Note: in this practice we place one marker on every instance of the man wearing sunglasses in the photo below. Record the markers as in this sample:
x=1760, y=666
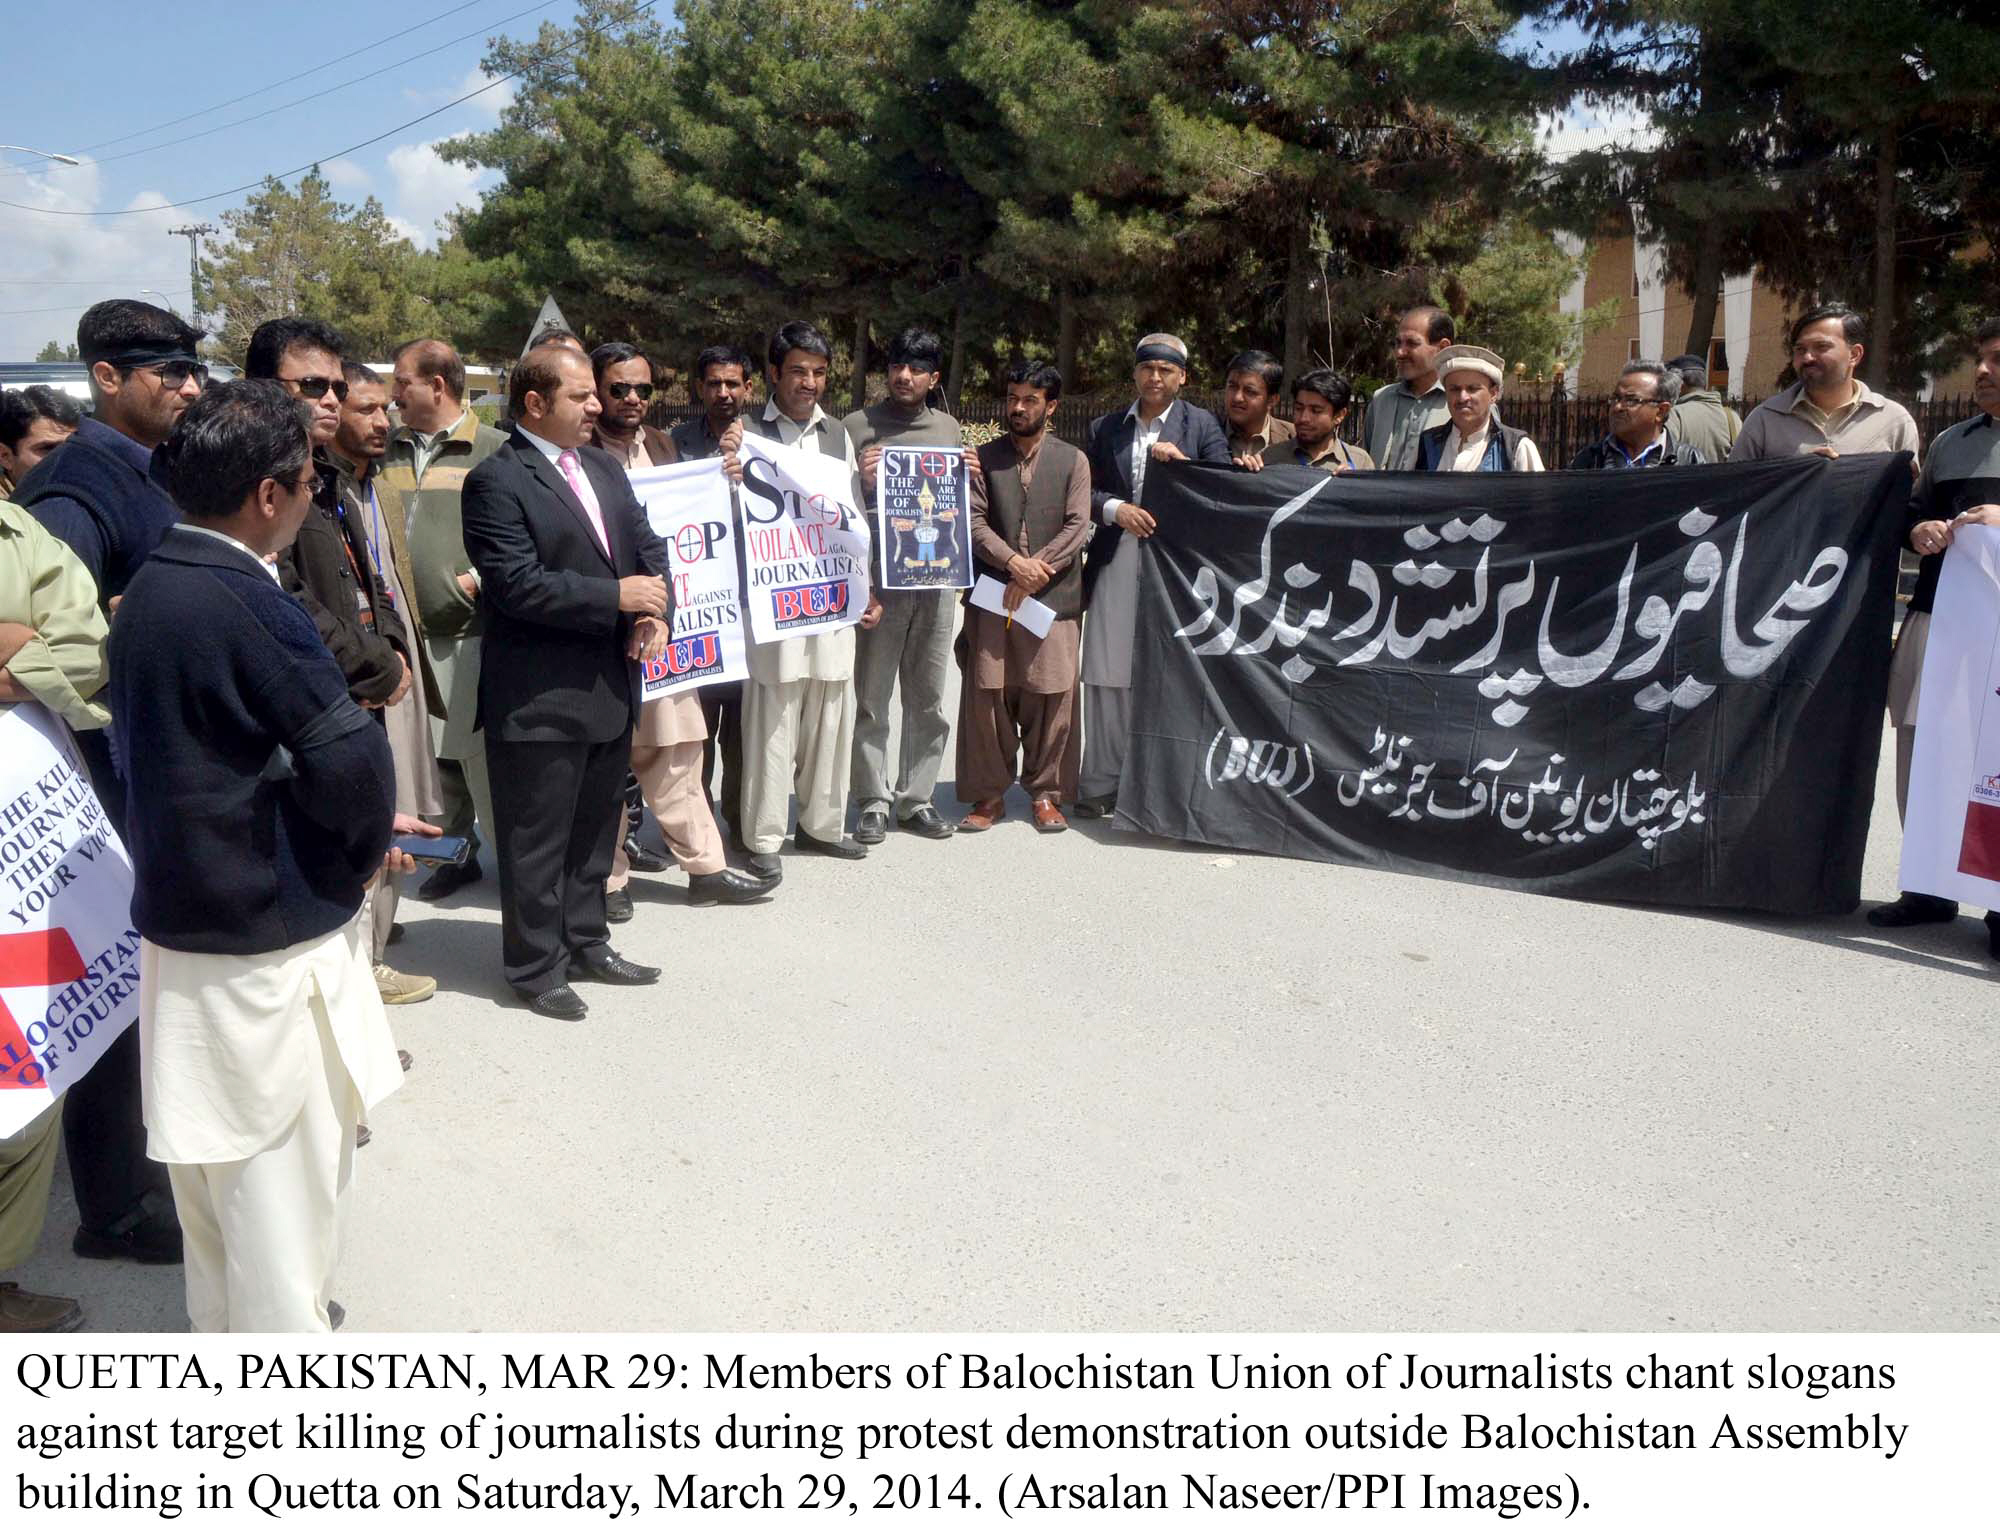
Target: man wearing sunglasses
x=98, y=493
x=328, y=567
x=625, y=391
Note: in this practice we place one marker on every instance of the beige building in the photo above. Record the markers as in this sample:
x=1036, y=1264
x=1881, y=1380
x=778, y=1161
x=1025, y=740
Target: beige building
x=1749, y=349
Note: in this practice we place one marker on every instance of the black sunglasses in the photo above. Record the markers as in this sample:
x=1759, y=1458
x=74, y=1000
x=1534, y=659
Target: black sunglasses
x=313, y=387
x=176, y=373
x=621, y=390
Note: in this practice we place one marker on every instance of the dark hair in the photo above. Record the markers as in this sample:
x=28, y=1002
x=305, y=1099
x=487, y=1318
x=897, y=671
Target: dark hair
x=1692, y=368
x=19, y=410
x=232, y=436
x=359, y=374
x=719, y=355
x=270, y=343
x=917, y=348
x=539, y=370
x=437, y=360
x=797, y=336
x=1852, y=327
x=605, y=354
x=1989, y=331
x=1438, y=324
x=1044, y=376
x=1330, y=383
x=113, y=326
x=1666, y=381
x=1256, y=361
x=555, y=336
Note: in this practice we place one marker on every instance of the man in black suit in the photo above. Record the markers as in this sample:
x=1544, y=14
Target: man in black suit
x=1158, y=425
x=574, y=584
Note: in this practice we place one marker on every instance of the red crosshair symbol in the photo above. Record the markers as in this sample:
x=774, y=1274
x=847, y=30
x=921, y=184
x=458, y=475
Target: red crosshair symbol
x=33, y=957
x=931, y=465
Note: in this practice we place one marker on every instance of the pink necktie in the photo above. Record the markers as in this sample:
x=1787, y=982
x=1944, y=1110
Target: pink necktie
x=572, y=469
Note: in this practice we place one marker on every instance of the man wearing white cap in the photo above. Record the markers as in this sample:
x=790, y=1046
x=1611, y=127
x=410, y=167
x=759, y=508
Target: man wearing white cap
x=1156, y=426
x=1475, y=439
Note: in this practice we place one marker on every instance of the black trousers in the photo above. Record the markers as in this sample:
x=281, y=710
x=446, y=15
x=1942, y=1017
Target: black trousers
x=722, y=711
x=560, y=816
x=104, y=1130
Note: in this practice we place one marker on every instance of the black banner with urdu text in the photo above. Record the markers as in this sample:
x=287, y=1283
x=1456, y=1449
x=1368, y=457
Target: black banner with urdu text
x=1663, y=686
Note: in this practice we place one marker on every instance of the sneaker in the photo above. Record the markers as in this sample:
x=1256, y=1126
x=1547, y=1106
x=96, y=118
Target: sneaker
x=403, y=988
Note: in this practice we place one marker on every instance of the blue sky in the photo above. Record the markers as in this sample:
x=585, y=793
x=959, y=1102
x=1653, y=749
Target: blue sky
x=102, y=88
x=108, y=87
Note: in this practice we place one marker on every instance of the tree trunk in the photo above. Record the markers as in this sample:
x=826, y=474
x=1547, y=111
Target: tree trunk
x=954, y=374
x=1298, y=277
x=1066, y=336
x=860, y=359
x=1706, y=289
x=1880, y=358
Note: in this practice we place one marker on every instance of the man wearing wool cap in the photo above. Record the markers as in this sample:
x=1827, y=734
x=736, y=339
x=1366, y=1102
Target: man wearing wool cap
x=1156, y=426
x=1474, y=439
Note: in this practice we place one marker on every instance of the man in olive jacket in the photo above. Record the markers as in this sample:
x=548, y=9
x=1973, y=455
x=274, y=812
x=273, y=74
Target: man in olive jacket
x=430, y=455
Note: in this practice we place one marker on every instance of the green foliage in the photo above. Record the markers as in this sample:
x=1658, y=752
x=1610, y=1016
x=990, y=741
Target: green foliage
x=300, y=252
x=1509, y=298
x=57, y=353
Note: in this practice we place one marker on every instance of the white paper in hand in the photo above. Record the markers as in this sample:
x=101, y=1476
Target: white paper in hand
x=990, y=594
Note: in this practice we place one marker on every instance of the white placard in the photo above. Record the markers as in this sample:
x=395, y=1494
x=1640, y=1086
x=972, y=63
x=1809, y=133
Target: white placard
x=805, y=541
x=688, y=507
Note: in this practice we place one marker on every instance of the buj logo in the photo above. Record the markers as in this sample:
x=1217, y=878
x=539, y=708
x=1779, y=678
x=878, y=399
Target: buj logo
x=808, y=602
x=688, y=657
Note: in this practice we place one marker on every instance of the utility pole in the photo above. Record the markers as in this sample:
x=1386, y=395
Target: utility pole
x=194, y=233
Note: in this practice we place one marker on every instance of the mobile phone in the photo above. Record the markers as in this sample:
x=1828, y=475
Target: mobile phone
x=450, y=850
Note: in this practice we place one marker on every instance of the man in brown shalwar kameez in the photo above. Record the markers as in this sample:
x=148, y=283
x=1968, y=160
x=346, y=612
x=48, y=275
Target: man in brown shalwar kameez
x=1030, y=521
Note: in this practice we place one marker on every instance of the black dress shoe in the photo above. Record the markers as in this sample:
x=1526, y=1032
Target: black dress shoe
x=618, y=907
x=1095, y=807
x=729, y=887
x=150, y=1233
x=609, y=968
x=447, y=880
x=872, y=827
x=336, y=1314
x=843, y=848
x=362, y=1134
x=1913, y=909
x=561, y=1002
x=642, y=859
x=928, y=822
x=1993, y=934
x=765, y=866
x=395, y=934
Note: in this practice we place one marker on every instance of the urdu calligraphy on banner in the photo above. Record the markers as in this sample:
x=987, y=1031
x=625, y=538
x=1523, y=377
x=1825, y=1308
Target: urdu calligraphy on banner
x=1661, y=686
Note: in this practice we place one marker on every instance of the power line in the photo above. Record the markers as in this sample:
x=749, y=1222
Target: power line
x=271, y=112
x=69, y=309
x=140, y=133
x=230, y=192
x=82, y=283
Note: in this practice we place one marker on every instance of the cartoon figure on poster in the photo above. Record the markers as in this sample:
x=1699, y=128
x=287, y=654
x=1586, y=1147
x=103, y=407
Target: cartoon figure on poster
x=924, y=505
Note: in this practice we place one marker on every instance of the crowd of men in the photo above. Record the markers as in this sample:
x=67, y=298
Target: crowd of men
x=346, y=616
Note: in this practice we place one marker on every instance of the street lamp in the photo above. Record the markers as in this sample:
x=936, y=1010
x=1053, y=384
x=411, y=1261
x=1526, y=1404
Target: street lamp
x=65, y=160
x=165, y=303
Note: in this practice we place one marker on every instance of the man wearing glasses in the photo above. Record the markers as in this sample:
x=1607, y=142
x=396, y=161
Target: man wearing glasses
x=625, y=391
x=328, y=568
x=98, y=494
x=1639, y=438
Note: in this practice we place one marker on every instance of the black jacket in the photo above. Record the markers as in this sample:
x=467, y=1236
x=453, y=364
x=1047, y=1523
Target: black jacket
x=1605, y=455
x=317, y=570
x=552, y=664
x=1108, y=446
x=259, y=796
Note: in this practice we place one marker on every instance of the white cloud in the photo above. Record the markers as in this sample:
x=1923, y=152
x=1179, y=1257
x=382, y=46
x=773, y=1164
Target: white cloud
x=1610, y=126
x=67, y=264
x=427, y=188
x=488, y=105
x=346, y=176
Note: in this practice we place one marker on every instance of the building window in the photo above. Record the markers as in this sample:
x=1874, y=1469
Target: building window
x=1718, y=359
x=1631, y=350
x=1635, y=281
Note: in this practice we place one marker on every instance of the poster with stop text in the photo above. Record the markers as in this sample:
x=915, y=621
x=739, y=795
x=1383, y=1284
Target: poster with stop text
x=689, y=507
x=69, y=957
x=805, y=541
x=924, y=517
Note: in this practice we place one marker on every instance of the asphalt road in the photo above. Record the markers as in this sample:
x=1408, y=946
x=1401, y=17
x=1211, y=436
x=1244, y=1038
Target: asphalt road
x=1098, y=1082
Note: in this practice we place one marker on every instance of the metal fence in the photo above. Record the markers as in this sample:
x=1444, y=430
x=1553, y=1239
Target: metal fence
x=1559, y=425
